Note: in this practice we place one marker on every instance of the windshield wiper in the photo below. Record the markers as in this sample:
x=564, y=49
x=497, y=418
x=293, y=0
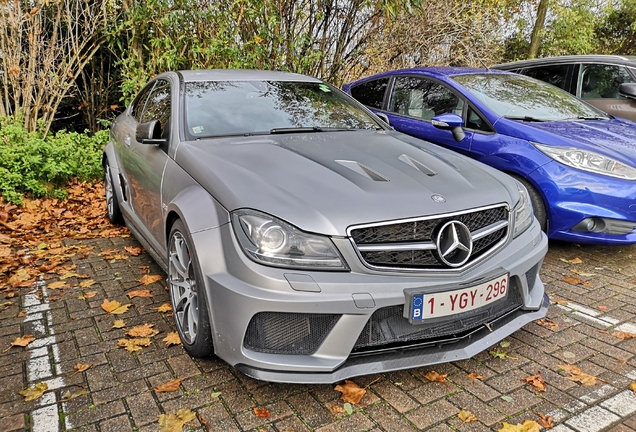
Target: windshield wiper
x=295, y=130
x=524, y=118
x=592, y=118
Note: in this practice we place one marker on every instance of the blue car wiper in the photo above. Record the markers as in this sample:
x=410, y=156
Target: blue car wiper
x=524, y=118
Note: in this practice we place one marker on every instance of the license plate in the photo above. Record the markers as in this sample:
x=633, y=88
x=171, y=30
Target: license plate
x=434, y=305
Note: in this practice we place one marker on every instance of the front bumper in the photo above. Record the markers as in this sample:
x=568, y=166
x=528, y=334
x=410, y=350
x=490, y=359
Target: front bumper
x=237, y=289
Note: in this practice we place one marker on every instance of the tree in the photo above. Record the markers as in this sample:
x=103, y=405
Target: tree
x=537, y=31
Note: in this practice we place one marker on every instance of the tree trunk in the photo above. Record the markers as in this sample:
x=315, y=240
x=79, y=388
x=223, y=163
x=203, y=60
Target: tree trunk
x=538, y=29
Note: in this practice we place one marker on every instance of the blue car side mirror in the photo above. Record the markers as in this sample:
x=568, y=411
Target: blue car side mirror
x=451, y=122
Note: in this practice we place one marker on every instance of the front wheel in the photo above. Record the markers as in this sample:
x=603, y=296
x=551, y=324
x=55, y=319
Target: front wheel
x=112, y=203
x=187, y=293
x=537, y=203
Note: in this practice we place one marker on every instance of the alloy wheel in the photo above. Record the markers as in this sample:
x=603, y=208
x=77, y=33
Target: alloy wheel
x=183, y=289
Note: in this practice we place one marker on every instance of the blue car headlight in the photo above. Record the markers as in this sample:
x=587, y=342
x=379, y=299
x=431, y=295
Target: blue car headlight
x=271, y=241
x=588, y=161
x=522, y=211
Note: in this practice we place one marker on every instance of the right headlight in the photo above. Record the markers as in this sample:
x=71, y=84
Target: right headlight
x=522, y=211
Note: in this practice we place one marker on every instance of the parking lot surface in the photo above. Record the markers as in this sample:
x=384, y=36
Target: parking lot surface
x=594, y=299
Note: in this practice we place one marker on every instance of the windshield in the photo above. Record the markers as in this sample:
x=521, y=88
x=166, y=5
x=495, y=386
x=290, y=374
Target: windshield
x=220, y=108
x=524, y=98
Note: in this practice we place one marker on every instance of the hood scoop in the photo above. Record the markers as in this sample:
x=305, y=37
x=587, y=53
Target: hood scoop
x=417, y=165
x=363, y=170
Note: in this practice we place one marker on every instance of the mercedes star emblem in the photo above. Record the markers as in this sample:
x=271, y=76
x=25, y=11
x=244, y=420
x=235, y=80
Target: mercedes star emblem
x=454, y=244
x=438, y=198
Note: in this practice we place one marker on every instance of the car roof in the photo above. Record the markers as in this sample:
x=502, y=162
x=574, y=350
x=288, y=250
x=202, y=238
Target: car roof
x=243, y=75
x=588, y=58
x=435, y=71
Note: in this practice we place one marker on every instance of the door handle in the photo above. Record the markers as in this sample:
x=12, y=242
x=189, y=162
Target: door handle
x=127, y=141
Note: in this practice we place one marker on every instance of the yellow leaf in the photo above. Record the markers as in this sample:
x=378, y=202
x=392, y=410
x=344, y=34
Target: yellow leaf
x=90, y=294
x=527, y=426
x=68, y=275
x=134, y=251
x=175, y=422
x=434, y=376
x=81, y=367
x=34, y=393
x=473, y=376
x=21, y=341
x=149, y=279
x=577, y=375
x=164, y=308
x=114, y=307
x=351, y=392
x=632, y=387
x=172, y=339
x=58, y=285
x=133, y=345
x=144, y=330
x=117, y=324
x=87, y=283
x=466, y=416
x=624, y=335
x=139, y=293
x=170, y=386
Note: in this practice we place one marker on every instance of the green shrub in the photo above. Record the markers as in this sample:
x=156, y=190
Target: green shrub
x=42, y=166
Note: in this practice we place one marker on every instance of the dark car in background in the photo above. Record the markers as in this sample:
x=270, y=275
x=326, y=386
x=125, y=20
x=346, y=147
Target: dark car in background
x=605, y=81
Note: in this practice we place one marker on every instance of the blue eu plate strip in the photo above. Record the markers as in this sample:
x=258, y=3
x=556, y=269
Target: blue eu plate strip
x=417, y=307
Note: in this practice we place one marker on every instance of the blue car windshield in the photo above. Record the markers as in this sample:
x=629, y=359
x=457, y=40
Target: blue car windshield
x=524, y=98
x=223, y=108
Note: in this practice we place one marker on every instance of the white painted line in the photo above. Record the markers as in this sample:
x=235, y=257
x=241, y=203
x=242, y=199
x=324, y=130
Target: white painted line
x=631, y=375
x=594, y=419
x=577, y=307
x=592, y=319
x=627, y=327
x=561, y=428
x=598, y=394
x=623, y=404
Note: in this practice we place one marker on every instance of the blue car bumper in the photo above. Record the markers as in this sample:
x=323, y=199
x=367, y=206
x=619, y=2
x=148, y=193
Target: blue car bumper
x=574, y=197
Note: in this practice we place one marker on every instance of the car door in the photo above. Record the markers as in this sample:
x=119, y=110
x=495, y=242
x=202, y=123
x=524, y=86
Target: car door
x=147, y=162
x=415, y=100
x=598, y=85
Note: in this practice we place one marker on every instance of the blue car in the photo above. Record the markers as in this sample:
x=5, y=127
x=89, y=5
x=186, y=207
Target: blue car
x=577, y=162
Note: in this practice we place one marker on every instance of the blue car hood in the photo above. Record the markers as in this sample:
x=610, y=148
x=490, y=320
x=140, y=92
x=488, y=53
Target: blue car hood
x=614, y=138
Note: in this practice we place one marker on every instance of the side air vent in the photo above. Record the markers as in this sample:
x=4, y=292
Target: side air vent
x=417, y=165
x=362, y=170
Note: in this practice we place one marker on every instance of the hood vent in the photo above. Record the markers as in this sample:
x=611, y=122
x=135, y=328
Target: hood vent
x=363, y=170
x=417, y=165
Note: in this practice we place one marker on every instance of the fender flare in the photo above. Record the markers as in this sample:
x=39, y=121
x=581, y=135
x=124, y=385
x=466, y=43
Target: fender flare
x=197, y=209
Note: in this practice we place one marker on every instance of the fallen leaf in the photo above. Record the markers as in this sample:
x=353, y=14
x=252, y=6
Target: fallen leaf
x=434, y=376
x=473, y=376
x=545, y=421
x=175, y=422
x=576, y=260
x=114, y=307
x=170, y=386
x=117, y=324
x=507, y=398
x=351, y=392
x=262, y=412
x=569, y=355
x=90, y=294
x=87, y=283
x=21, y=314
x=139, y=293
x=575, y=281
x=580, y=273
x=68, y=275
x=67, y=395
x=624, y=335
x=577, y=375
x=499, y=354
x=216, y=394
x=347, y=408
x=337, y=409
x=172, y=339
x=81, y=367
x=144, y=330
x=58, y=285
x=603, y=308
x=34, y=393
x=133, y=345
x=548, y=323
x=134, y=251
x=204, y=422
x=504, y=344
x=164, y=308
x=466, y=416
x=21, y=341
x=536, y=381
x=149, y=279
x=558, y=300
x=632, y=387
x=527, y=426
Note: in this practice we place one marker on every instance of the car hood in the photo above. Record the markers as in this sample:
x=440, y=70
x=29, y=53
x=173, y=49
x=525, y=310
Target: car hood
x=325, y=182
x=614, y=138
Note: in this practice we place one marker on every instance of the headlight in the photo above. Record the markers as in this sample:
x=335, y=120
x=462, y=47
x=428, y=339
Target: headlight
x=588, y=161
x=522, y=211
x=268, y=240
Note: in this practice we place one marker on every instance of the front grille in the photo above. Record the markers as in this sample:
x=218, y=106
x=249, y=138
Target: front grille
x=288, y=333
x=425, y=231
x=388, y=327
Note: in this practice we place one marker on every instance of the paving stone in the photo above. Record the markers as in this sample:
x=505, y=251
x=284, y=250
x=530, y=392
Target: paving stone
x=483, y=412
x=96, y=414
x=117, y=424
x=522, y=399
x=428, y=415
x=216, y=418
x=395, y=396
x=476, y=387
x=389, y=419
x=12, y=423
x=310, y=410
x=433, y=390
x=143, y=408
x=278, y=410
x=594, y=419
x=356, y=422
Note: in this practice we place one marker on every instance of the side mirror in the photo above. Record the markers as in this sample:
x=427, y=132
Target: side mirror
x=451, y=122
x=627, y=90
x=384, y=118
x=149, y=133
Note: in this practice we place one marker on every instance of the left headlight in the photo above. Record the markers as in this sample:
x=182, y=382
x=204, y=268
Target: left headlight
x=522, y=211
x=588, y=161
x=271, y=241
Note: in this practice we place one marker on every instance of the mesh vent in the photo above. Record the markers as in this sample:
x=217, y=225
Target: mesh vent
x=387, y=326
x=288, y=333
x=531, y=276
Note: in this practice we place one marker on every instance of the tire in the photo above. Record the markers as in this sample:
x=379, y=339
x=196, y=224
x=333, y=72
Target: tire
x=187, y=293
x=112, y=202
x=537, y=203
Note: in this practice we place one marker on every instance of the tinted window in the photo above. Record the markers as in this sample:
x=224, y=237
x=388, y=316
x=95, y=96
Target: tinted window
x=557, y=75
x=519, y=96
x=421, y=98
x=158, y=107
x=371, y=93
x=476, y=122
x=602, y=81
x=216, y=108
x=138, y=104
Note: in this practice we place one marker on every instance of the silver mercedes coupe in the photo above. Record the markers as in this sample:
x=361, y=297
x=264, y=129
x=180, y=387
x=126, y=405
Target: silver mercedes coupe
x=305, y=241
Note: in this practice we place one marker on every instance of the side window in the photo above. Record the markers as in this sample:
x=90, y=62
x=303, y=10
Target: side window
x=371, y=93
x=424, y=99
x=557, y=75
x=138, y=104
x=158, y=107
x=476, y=122
x=602, y=81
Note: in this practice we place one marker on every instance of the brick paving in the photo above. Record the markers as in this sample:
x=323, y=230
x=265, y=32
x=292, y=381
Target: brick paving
x=116, y=394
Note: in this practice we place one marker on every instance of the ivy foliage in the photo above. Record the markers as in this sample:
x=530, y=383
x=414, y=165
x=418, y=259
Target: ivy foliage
x=41, y=166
